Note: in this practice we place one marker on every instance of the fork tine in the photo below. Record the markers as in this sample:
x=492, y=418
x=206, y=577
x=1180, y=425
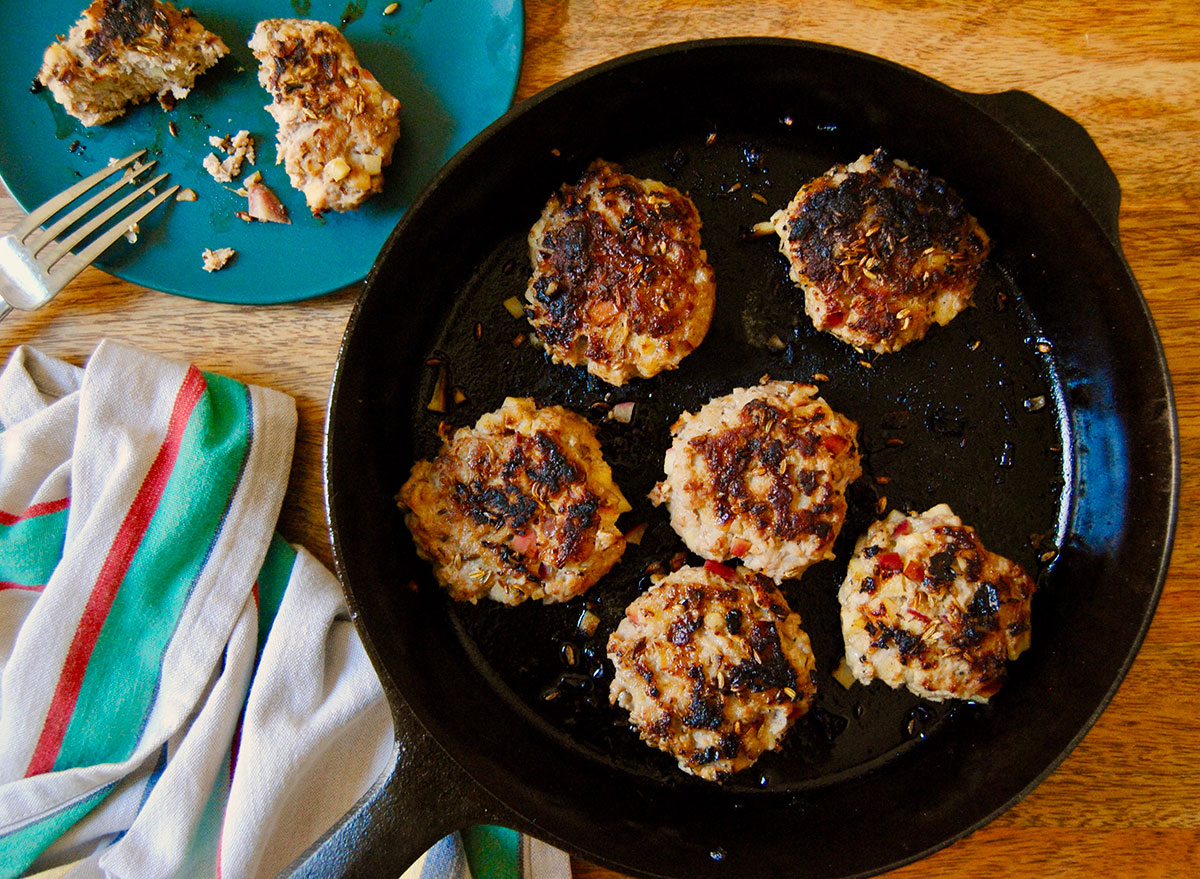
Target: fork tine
x=63, y=247
x=77, y=262
x=47, y=235
x=52, y=206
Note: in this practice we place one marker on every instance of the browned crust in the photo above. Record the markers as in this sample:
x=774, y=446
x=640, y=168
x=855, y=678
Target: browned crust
x=521, y=506
x=601, y=277
x=125, y=22
x=759, y=444
x=874, y=246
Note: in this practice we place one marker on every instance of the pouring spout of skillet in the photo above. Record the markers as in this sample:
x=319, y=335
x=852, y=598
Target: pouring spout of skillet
x=1043, y=415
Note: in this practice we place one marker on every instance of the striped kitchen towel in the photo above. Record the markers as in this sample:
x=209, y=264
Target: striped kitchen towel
x=491, y=853
x=175, y=679
x=182, y=693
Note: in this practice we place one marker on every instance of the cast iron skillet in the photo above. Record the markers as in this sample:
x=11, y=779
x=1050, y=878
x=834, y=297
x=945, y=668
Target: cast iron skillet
x=1043, y=416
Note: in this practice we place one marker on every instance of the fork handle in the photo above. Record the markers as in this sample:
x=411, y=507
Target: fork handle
x=5, y=308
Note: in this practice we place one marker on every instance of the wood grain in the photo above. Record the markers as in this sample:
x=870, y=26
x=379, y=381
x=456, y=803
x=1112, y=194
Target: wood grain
x=1126, y=802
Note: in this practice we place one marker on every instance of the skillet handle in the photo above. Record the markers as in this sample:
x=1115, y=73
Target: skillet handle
x=422, y=797
x=1066, y=146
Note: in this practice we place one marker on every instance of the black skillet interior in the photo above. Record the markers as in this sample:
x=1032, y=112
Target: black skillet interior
x=1043, y=416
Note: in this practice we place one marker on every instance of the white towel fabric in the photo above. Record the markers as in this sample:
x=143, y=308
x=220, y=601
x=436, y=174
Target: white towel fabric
x=176, y=682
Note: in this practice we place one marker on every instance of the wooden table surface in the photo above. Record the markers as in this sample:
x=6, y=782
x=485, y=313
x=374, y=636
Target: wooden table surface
x=1127, y=800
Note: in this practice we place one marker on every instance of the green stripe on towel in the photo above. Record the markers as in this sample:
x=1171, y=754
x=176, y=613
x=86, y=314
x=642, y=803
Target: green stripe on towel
x=30, y=549
x=21, y=848
x=492, y=852
x=272, y=581
x=123, y=674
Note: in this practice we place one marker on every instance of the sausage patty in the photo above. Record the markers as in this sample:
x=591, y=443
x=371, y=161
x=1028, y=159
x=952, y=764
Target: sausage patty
x=713, y=668
x=124, y=52
x=924, y=605
x=337, y=124
x=620, y=282
x=882, y=251
x=760, y=474
x=522, y=506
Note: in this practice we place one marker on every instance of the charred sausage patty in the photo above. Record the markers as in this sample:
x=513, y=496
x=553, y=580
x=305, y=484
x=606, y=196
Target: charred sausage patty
x=882, y=251
x=521, y=506
x=620, y=282
x=713, y=668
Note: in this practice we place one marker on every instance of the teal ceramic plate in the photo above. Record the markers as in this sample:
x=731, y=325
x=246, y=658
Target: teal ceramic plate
x=452, y=63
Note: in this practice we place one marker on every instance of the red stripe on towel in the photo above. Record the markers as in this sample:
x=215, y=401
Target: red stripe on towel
x=112, y=572
x=8, y=584
x=42, y=509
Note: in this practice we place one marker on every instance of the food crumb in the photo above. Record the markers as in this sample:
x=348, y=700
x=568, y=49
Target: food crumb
x=390, y=8
x=186, y=195
x=222, y=171
x=264, y=204
x=238, y=149
x=215, y=260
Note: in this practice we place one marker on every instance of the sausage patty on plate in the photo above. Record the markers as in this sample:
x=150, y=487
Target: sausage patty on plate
x=337, y=124
x=124, y=52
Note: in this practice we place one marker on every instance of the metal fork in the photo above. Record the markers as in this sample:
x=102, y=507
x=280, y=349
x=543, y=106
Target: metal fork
x=34, y=265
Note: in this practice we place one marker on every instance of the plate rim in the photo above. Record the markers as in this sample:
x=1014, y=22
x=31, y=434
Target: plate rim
x=125, y=264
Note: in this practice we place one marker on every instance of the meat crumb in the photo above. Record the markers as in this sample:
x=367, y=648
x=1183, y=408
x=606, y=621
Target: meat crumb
x=239, y=149
x=215, y=260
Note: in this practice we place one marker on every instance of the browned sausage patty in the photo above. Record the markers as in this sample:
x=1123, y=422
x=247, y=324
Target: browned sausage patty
x=713, y=668
x=124, y=52
x=337, y=124
x=924, y=605
x=882, y=251
x=760, y=474
x=620, y=282
x=522, y=506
